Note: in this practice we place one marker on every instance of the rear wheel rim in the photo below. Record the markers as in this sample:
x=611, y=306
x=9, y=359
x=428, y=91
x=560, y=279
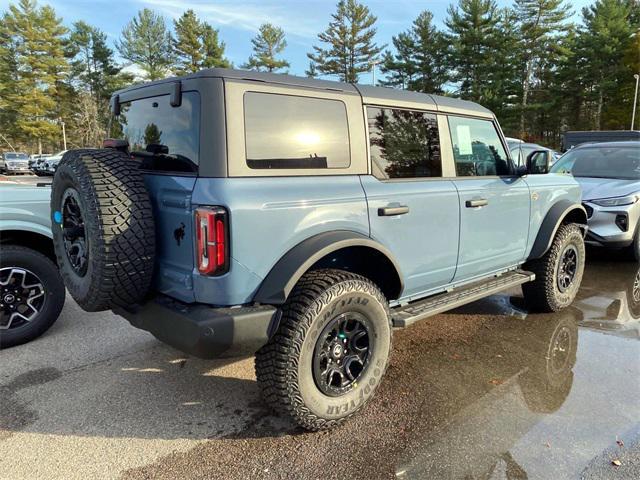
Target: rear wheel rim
x=73, y=232
x=567, y=268
x=342, y=353
x=22, y=297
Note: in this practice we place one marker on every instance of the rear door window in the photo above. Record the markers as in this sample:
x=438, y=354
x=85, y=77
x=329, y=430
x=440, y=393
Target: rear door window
x=166, y=138
x=403, y=143
x=294, y=132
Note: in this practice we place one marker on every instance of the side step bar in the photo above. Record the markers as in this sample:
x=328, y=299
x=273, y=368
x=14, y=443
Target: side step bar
x=420, y=309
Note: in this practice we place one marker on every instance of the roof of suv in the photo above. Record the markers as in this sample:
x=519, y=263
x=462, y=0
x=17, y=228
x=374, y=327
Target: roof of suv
x=371, y=95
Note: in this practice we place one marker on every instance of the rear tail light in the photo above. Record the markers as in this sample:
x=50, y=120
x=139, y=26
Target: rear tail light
x=212, y=238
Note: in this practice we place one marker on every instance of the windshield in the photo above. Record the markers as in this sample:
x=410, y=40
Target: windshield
x=601, y=162
x=16, y=156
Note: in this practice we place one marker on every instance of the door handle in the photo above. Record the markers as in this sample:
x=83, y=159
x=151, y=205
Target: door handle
x=391, y=211
x=481, y=202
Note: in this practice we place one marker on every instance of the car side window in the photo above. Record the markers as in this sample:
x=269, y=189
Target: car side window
x=287, y=131
x=477, y=149
x=403, y=143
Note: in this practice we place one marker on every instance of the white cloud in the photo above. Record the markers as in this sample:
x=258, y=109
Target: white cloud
x=247, y=17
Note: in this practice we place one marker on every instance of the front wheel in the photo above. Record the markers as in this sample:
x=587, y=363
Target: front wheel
x=330, y=351
x=31, y=295
x=558, y=273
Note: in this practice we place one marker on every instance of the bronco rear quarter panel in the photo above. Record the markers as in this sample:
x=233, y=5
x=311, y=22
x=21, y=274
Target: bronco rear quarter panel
x=270, y=216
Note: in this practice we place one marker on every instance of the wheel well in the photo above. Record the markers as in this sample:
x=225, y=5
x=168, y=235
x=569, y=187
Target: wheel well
x=575, y=216
x=36, y=241
x=369, y=263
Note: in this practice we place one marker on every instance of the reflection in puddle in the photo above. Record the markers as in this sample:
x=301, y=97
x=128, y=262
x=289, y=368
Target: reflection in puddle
x=534, y=378
x=609, y=299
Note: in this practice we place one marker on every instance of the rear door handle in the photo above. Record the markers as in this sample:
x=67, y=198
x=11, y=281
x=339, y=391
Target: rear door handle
x=391, y=211
x=481, y=202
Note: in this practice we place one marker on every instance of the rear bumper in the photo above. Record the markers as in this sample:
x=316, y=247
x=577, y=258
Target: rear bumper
x=204, y=331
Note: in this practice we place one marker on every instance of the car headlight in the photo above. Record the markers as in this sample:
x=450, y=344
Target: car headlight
x=616, y=201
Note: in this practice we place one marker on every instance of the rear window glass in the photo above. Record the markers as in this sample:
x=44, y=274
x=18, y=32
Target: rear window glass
x=166, y=138
x=285, y=131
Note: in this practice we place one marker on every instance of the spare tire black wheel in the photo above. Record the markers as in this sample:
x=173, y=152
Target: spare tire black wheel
x=103, y=228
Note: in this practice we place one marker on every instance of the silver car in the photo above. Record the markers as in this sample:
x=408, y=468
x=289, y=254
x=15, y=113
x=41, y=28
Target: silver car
x=609, y=174
x=15, y=162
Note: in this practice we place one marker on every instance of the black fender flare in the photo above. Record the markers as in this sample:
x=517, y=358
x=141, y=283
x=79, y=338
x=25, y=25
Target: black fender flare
x=279, y=282
x=552, y=221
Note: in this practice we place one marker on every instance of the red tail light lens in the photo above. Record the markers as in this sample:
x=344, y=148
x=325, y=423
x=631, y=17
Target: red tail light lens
x=212, y=238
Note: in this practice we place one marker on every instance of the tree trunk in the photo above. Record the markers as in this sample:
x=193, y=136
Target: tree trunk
x=599, y=110
x=525, y=97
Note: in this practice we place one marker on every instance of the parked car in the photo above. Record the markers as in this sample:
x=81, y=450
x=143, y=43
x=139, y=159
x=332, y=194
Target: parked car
x=298, y=229
x=573, y=139
x=609, y=174
x=36, y=162
x=31, y=290
x=15, y=162
x=520, y=152
x=51, y=163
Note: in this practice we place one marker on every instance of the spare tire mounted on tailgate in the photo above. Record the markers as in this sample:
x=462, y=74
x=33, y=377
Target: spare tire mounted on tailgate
x=103, y=229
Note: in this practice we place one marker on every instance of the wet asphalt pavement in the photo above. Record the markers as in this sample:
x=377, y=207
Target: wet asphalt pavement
x=485, y=392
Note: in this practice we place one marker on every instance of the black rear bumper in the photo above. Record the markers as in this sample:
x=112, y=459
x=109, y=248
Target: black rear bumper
x=204, y=331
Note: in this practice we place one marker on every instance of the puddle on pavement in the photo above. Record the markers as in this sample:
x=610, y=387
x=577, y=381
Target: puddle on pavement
x=566, y=388
x=487, y=391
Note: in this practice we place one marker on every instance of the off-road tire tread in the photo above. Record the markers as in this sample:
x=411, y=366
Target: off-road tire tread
x=276, y=363
x=540, y=294
x=121, y=226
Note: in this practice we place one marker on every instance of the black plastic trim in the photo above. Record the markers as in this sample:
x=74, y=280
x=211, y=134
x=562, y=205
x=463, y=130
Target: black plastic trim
x=204, y=331
x=550, y=225
x=277, y=285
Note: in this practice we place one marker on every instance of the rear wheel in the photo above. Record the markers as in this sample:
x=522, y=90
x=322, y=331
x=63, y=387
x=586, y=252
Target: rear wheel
x=558, y=273
x=330, y=351
x=31, y=295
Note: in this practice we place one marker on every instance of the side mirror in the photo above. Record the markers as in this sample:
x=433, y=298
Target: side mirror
x=539, y=162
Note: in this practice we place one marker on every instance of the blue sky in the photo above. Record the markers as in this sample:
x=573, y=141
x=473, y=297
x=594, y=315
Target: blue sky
x=239, y=20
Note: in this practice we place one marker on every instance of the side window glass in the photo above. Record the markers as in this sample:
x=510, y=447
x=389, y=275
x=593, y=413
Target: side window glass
x=477, y=149
x=404, y=143
x=286, y=131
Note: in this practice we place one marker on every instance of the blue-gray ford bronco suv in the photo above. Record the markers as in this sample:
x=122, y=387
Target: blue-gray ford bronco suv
x=236, y=212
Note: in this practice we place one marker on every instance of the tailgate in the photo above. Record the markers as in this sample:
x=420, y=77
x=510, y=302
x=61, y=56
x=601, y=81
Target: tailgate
x=175, y=247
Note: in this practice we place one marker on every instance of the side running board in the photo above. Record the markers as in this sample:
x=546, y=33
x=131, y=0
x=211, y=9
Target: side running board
x=420, y=309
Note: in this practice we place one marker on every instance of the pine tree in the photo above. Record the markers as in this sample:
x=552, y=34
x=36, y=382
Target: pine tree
x=420, y=60
x=603, y=40
x=146, y=42
x=473, y=30
x=350, y=42
x=213, y=49
x=196, y=45
x=36, y=45
x=312, y=71
x=267, y=45
x=539, y=22
x=94, y=76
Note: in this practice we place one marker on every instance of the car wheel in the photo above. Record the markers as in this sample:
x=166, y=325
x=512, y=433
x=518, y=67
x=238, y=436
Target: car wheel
x=103, y=230
x=549, y=377
x=330, y=351
x=558, y=273
x=32, y=295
